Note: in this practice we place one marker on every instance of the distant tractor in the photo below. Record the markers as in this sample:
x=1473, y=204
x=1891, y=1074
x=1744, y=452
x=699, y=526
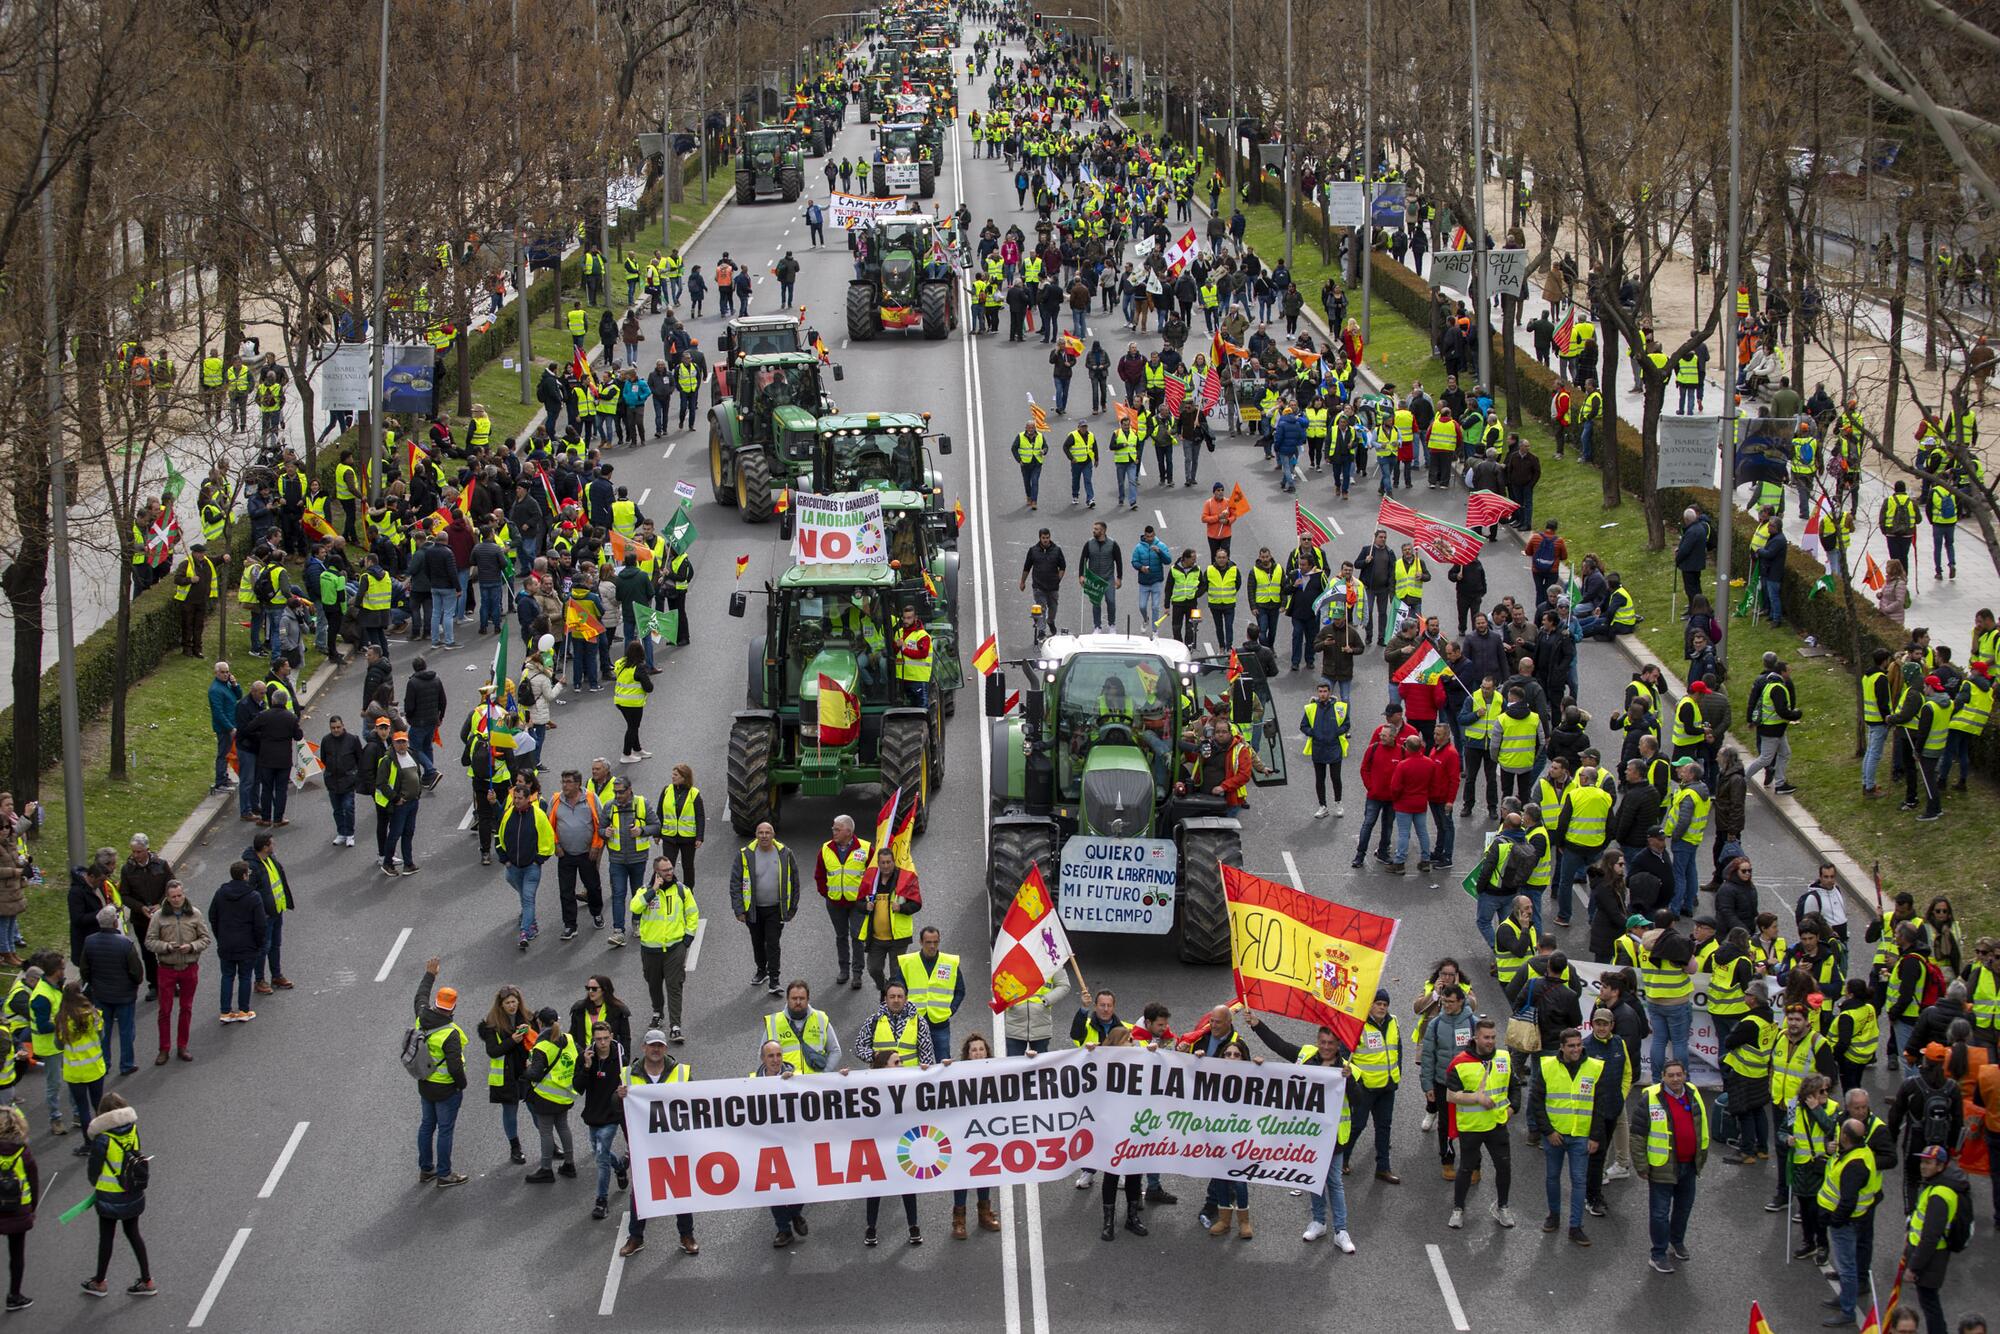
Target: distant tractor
x=751, y=336
x=771, y=163
x=907, y=279
x=904, y=144
x=1112, y=742
x=836, y=622
x=765, y=436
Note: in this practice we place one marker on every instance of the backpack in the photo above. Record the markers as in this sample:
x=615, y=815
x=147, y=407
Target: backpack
x=416, y=1055
x=13, y=1186
x=1933, y=983
x=1959, y=1235
x=1545, y=556
x=135, y=1173
x=1938, y=1105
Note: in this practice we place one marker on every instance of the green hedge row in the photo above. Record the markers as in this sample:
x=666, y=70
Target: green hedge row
x=155, y=616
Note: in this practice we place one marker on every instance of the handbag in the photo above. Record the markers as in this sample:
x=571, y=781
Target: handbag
x=1524, y=1034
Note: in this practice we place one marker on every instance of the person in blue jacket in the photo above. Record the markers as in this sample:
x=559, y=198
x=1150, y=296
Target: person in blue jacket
x=1149, y=561
x=1324, y=726
x=1288, y=437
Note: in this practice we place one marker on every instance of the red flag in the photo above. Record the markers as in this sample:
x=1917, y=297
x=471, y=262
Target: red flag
x=1434, y=537
x=1211, y=390
x=1485, y=508
x=1235, y=667
x=1396, y=516
x=1563, y=332
x=1176, y=393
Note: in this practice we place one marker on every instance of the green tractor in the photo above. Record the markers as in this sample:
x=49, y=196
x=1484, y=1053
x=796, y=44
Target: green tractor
x=887, y=451
x=771, y=163
x=877, y=94
x=1097, y=778
x=907, y=279
x=835, y=622
x=765, y=435
x=902, y=145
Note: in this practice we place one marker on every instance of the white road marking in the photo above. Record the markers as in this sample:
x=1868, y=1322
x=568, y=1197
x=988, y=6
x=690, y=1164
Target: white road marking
x=670, y=450
x=614, y=1275
x=694, y=948
x=1010, y=1264
x=1335, y=525
x=644, y=494
x=291, y=1147
x=1208, y=647
x=1159, y=520
x=1292, y=870
x=1038, y=1281
x=395, y=951
x=214, y=1289
x=1451, y=1306
x=465, y=821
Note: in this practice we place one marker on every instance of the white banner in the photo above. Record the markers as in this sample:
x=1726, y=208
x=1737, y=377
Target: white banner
x=1704, y=1045
x=1344, y=204
x=1118, y=884
x=902, y=177
x=1690, y=451
x=1506, y=271
x=911, y=104
x=845, y=210
x=838, y=530
x=750, y=1143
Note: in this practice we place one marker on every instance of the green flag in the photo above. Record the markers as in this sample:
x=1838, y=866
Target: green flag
x=76, y=1210
x=680, y=530
x=669, y=622
x=175, y=482
x=645, y=620
x=1094, y=585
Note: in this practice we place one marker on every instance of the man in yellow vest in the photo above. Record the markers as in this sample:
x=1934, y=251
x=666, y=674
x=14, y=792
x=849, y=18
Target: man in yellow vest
x=665, y=917
x=807, y=1042
x=912, y=648
x=764, y=894
x=1476, y=1084
x=1375, y=1072
x=890, y=898
x=1847, y=1198
x=935, y=984
x=213, y=375
x=1567, y=1099
x=1031, y=448
x=442, y=1083
x=198, y=588
x=1671, y=1121
x=843, y=861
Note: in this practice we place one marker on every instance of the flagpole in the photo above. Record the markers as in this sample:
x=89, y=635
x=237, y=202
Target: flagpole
x=1082, y=987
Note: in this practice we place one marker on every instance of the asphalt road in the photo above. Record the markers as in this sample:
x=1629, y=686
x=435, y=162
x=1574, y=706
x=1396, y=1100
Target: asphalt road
x=285, y=1194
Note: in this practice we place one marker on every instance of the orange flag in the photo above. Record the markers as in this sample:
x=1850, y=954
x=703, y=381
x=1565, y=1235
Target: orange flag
x=1239, y=504
x=1873, y=576
x=1126, y=417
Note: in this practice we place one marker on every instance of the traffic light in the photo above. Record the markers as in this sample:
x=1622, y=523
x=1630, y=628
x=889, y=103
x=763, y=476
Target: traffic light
x=1038, y=18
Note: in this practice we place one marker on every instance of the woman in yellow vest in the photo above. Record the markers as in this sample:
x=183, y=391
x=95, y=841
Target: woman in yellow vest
x=508, y=1037
x=17, y=1166
x=551, y=1083
x=118, y=1173
x=630, y=684
x=80, y=1042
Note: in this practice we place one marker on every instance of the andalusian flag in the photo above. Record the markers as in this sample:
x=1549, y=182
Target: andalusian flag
x=579, y=622
x=1303, y=957
x=680, y=530
x=1310, y=526
x=839, y=713
x=1031, y=947
x=987, y=656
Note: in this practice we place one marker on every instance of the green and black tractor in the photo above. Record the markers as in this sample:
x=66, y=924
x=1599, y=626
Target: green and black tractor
x=837, y=623
x=901, y=146
x=887, y=451
x=907, y=279
x=1121, y=738
x=771, y=164
x=765, y=435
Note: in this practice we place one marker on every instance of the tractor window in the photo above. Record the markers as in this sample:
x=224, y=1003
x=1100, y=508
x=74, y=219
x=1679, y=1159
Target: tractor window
x=1114, y=699
x=906, y=548
x=898, y=271
x=1252, y=714
x=839, y=622
x=758, y=342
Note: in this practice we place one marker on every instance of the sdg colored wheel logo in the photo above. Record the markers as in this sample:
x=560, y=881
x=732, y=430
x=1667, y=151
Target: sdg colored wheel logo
x=923, y=1152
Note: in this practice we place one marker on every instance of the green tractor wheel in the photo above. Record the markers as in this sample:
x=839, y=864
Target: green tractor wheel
x=1204, y=917
x=753, y=485
x=1014, y=848
x=904, y=757
x=753, y=797
x=746, y=187
x=864, y=316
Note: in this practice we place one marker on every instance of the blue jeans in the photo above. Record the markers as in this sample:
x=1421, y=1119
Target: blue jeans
x=1106, y=611
x=222, y=744
x=1574, y=1151
x=1062, y=395
x=1671, y=1023
x=1022, y=1046
x=1405, y=822
x=423, y=748
x=1669, y=1207
x=246, y=784
x=492, y=605
x=1303, y=634
x=1031, y=481
x=122, y=1018
x=1149, y=603
x=1343, y=476
x=1771, y=592
x=1687, y=883
x=525, y=880
x=627, y=878
x=403, y=830
x=274, y=950
x=1489, y=907
x=604, y=1140
x=1128, y=483
x=1332, y=1201
x=1371, y=812
x=440, y=1121
x=1843, y=1241
x=1082, y=474
x=236, y=973
x=1871, y=760
x=343, y=812
x=941, y=1038
x=1944, y=548
x=1572, y=864
x=1226, y=1194
x=1386, y=473
x=1288, y=468
x=582, y=663
x=1586, y=438
x=1687, y=399
x=1077, y=321
x=1955, y=751
x=1447, y=832
x=444, y=618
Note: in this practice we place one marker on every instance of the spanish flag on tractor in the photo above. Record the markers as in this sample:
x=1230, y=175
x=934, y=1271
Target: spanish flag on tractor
x=987, y=656
x=839, y=713
x=1304, y=957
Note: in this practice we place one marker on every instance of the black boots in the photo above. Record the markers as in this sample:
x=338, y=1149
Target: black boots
x=1133, y=1223
x=1110, y=1232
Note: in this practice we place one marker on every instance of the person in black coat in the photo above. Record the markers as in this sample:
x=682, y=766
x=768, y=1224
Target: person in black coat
x=237, y=920
x=87, y=897
x=1471, y=581
x=340, y=751
x=1736, y=899
x=424, y=708
x=274, y=733
x=111, y=972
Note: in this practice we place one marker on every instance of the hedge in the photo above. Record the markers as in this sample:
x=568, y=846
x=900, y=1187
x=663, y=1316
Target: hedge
x=155, y=616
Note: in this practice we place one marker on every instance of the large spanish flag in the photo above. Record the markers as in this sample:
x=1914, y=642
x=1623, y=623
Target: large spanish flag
x=839, y=713
x=1304, y=957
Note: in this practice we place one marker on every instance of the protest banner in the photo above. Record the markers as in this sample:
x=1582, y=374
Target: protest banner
x=841, y=529
x=1690, y=452
x=749, y=1143
x=846, y=210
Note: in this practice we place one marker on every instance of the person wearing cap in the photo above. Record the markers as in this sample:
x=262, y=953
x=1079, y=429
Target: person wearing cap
x=655, y=1066
x=1942, y=1215
x=1927, y=744
x=551, y=1081
x=1847, y=1199
x=443, y=1087
x=398, y=785
x=1798, y=1051
x=1927, y=1111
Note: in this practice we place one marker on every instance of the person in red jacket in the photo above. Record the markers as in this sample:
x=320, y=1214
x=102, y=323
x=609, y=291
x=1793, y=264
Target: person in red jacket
x=1447, y=769
x=1422, y=702
x=1410, y=794
x=1378, y=768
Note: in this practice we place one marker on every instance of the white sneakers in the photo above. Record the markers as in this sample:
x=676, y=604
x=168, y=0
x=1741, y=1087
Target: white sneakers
x=1339, y=811
x=1345, y=1242
x=1502, y=1215
x=1457, y=1218
x=1430, y=1122
x=1319, y=813
x=1314, y=1231
x=1085, y=1178
x=343, y=840
x=1614, y=1172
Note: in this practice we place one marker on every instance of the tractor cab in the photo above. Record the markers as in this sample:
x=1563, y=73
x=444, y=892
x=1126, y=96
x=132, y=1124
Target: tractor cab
x=765, y=384
x=763, y=148
x=1116, y=715
x=835, y=621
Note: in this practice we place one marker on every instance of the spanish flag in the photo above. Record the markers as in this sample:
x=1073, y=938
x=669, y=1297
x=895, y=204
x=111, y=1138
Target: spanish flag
x=1304, y=957
x=465, y=502
x=316, y=525
x=839, y=713
x=958, y=513
x=1758, y=1325
x=413, y=457
x=894, y=824
x=987, y=656
x=1071, y=344
x=742, y=564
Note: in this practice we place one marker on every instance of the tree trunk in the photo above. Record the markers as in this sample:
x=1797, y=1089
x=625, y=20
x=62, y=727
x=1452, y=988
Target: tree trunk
x=1654, y=386
x=1930, y=293
x=1607, y=384
x=1899, y=303
x=26, y=576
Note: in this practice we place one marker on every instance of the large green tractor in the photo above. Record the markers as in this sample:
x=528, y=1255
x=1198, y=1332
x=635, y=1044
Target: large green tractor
x=907, y=280
x=887, y=451
x=836, y=622
x=1106, y=774
x=771, y=164
x=900, y=146
x=765, y=436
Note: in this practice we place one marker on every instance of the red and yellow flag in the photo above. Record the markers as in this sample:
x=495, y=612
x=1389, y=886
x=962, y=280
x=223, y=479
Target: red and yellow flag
x=1031, y=947
x=742, y=564
x=839, y=713
x=987, y=656
x=316, y=525
x=1071, y=344
x=1304, y=957
x=580, y=622
x=1758, y=1325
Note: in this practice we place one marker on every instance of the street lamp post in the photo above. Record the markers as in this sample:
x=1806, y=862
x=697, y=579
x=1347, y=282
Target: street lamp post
x=1480, y=296
x=1366, y=234
x=1726, y=500
x=1230, y=138
x=1285, y=162
x=378, y=331
x=520, y=208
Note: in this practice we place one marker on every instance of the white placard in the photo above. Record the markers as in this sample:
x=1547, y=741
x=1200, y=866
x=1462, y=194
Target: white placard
x=902, y=177
x=847, y=210
x=1118, y=884
x=1344, y=204
x=843, y=529
x=1506, y=271
x=1690, y=452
